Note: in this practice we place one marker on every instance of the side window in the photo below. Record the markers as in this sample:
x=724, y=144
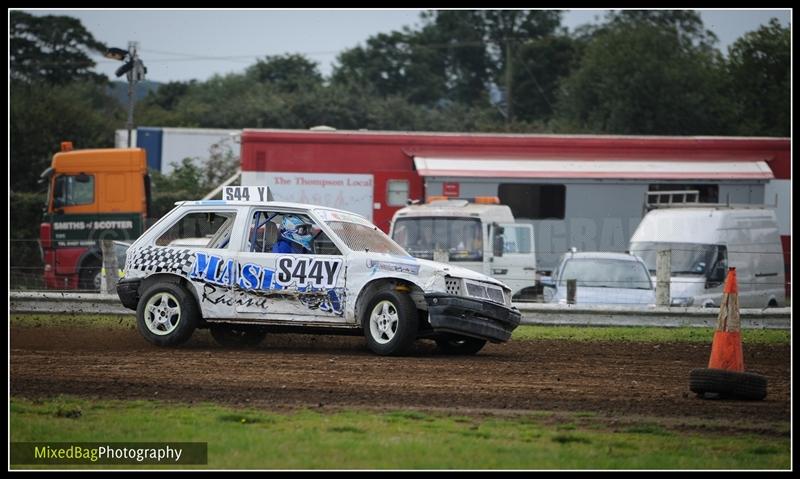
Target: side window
x=72, y=190
x=516, y=240
x=397, y=192
x=278, y=232
x=201, y=229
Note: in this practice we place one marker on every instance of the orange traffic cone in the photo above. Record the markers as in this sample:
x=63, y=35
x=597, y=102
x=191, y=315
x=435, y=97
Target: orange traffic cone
x=725, y=375
x=726, y=349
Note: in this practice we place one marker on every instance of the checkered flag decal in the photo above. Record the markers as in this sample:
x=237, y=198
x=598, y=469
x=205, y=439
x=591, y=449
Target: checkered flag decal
x=156, y=259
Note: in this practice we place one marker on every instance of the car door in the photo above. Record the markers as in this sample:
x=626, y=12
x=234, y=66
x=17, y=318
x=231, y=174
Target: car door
x=280, y=280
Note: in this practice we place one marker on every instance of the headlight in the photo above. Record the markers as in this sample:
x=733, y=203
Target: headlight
x=683, y=301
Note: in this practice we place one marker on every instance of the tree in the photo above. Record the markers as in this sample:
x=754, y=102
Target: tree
x=685, y=24
x=52, y=49
x=645, y=78
x=481, y=42
x=760, y=69
x=539, y=67
x=43, y=116
x=403, y=63
x=287, y=73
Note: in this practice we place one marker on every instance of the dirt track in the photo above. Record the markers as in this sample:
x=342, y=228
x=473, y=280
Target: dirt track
x=611, y=379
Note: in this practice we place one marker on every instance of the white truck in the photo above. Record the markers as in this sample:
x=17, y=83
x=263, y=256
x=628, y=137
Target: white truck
x=480, y=235
x=707, y=239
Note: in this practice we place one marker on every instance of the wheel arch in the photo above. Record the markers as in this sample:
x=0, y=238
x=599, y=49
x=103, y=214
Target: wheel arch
x=382, y=284
x=172, y=278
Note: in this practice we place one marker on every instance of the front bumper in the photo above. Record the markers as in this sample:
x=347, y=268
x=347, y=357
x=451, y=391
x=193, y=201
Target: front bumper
x=471, y=317
x=128, y=292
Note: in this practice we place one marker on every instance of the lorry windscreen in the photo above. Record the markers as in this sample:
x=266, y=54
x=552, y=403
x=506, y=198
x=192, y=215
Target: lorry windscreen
x=462, y=238
x=687, y=258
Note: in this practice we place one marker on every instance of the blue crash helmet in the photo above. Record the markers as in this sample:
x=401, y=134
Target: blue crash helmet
x=296, y=230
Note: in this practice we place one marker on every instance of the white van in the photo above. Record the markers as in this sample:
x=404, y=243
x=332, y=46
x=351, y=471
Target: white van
x=705, y=241
x=480, y=235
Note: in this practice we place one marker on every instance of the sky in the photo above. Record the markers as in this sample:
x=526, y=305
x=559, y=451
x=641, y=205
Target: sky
x=196, y=44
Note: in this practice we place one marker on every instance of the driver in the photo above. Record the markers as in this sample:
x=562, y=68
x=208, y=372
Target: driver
x=295, y=236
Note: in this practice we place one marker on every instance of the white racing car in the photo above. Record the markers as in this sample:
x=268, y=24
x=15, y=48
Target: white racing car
x=289, y=267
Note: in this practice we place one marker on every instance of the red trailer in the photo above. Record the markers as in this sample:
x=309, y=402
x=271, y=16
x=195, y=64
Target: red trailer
x=584, y=189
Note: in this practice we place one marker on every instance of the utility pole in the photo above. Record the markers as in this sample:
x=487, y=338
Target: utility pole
x=135, y=70
x=509, y=110
x=135, y=75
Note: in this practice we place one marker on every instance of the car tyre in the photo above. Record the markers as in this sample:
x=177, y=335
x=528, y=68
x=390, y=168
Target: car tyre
x=459, y=345
x=390, y=323
x=231, y=336
x=167, y=314
x=728, y=384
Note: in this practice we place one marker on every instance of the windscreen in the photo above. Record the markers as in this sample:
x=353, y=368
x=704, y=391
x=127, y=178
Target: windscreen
x=360, y=237
x=462, y=238
x=606, y=273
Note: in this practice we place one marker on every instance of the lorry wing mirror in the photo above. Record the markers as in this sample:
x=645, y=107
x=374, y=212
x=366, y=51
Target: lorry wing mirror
x=498, y=244
x=46, y=174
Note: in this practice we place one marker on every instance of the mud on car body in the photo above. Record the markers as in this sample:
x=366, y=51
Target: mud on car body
x=344, y=275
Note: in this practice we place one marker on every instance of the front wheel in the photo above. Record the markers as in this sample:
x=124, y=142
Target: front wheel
x=459, y=345
x=390, y=323
x=166, y=315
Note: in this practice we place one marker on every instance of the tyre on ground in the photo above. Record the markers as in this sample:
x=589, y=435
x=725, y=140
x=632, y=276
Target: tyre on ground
x=727, y=384
x=167, y=314
x=390, y=323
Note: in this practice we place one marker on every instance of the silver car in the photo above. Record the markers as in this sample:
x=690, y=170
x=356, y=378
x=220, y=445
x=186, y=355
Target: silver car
x=602, y=278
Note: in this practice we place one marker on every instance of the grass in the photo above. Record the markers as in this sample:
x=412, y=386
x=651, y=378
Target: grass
x=306, y=439
x=522, y=333
x=642, y=334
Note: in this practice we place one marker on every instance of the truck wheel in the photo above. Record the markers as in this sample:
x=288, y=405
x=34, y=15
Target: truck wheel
x=728, y=384
x=166, y=315
x=232, y=336
x=459, y=345
x=89, y=278
x=390, y=323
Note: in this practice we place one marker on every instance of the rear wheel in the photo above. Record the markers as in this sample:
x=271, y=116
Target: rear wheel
x=459, y=345
x=390, y=323
x=233, y=336
x=167, y=314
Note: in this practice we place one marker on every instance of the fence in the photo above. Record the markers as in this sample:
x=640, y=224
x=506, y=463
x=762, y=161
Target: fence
x=606, y=285
x=541, y=314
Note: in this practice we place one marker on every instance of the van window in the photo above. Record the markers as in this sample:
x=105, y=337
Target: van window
x=689, y=259
x=534, y=201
